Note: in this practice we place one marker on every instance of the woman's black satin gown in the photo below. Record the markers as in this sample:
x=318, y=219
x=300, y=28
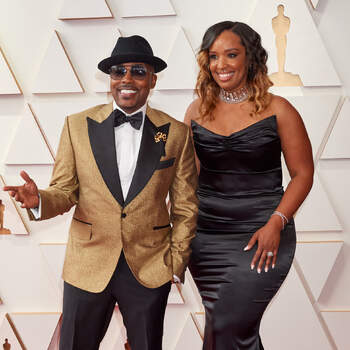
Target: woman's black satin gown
x=240, y=185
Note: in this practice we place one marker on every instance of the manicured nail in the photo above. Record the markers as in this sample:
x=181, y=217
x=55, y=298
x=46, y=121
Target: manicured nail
x=266, y=269
x=246, y=248
x=252, y=267
x=259, y=270
x=273, y=266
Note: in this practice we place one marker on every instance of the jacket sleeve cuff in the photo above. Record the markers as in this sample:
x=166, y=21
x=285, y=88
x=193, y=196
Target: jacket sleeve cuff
x=37, y=211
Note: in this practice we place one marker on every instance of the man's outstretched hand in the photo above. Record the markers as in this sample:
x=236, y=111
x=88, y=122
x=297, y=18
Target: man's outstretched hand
x=27, y=194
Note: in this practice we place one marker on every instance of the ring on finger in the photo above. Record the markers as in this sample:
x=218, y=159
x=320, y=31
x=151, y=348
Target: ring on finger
x=269, y=254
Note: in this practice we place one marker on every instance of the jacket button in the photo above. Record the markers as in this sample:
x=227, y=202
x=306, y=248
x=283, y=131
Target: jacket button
x=123, y=215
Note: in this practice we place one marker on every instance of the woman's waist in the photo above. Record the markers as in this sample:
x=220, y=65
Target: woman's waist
x=234, y=184
x=248, y=210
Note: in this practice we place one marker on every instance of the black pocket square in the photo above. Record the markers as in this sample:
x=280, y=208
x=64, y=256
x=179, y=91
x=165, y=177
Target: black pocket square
x=166, y=163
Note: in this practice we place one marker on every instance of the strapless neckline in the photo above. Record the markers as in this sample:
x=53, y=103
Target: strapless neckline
x=251, y=126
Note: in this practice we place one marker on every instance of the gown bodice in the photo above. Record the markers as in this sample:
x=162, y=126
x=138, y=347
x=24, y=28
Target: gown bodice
x=240, y=180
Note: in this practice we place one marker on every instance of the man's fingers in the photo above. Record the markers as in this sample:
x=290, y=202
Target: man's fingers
x=25, y=176
x=10, y=188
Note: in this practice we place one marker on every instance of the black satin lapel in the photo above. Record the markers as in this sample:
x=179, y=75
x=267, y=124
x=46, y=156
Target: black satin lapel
x=102, y=142
x=148, y=158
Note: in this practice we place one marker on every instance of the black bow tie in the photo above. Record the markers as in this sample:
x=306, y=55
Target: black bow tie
x=135, y=120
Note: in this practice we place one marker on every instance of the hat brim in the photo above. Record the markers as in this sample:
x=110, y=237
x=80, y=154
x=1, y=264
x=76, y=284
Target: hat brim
x=154, y=61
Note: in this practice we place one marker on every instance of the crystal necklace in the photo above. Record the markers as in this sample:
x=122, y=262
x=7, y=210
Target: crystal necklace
x=235, y=96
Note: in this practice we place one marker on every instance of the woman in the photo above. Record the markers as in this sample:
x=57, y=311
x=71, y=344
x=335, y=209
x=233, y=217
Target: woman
x=246, y=238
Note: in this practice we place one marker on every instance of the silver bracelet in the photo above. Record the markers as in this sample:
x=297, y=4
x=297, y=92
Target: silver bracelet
x=282, y=216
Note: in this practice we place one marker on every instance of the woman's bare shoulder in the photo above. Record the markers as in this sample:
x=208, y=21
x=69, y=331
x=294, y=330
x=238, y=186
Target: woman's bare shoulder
x=281, y=107
x=288, y=118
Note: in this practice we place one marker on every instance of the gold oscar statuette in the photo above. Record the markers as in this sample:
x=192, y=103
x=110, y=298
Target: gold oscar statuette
x=280, y=26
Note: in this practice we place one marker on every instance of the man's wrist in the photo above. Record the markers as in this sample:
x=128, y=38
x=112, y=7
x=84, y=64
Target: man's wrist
x=176, y=279
x=37, y=210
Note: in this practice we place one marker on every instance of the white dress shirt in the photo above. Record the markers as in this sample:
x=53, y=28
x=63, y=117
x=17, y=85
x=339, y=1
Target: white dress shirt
x=127, y=146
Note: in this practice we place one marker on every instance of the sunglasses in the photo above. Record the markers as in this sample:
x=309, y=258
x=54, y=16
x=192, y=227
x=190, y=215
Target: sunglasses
x=137, y=71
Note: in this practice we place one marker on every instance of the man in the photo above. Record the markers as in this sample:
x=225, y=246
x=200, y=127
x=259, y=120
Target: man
x=118, y=171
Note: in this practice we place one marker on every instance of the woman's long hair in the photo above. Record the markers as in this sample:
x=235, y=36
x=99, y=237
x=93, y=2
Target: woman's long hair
x=258, y=82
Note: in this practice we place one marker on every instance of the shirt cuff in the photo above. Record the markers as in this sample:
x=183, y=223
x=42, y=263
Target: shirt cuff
x=176, y=279
x=37, y=211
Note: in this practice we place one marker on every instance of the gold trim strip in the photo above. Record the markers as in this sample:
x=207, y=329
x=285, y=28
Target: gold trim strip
x=197, y=325
x=345, y=310
x=87, y=18
x=53, y=243
x=69, y=60
x=335, y=241
x=11, y=71
x=42, y=132
x=180, y=292
x=15, y=332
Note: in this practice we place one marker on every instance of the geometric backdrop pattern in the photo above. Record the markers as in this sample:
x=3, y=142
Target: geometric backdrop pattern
x=63, y=44
x=8, y=83
x=338, y=144
x=80, y=9
x=62, y=78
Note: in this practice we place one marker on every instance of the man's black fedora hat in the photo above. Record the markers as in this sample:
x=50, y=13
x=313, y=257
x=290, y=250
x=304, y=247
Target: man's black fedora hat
x=132, y=49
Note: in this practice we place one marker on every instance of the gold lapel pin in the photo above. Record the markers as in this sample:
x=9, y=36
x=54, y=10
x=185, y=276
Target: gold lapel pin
x=159, y=136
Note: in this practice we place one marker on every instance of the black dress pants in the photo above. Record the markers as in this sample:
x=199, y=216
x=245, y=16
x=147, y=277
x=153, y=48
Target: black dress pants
x=86, y=315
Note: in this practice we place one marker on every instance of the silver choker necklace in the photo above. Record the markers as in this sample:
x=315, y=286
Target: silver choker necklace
x=236, y=96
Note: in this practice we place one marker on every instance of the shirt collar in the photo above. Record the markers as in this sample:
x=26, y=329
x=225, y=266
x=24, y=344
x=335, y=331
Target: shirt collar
x=142, y=109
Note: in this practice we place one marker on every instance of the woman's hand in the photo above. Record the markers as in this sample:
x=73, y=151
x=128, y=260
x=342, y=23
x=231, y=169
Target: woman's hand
x=268, y=238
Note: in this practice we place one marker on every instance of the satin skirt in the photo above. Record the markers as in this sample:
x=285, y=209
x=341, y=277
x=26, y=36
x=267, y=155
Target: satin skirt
x=234, y=296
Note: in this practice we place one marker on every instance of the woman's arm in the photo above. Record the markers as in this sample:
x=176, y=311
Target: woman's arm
x=296, y=148
x=297, y=153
